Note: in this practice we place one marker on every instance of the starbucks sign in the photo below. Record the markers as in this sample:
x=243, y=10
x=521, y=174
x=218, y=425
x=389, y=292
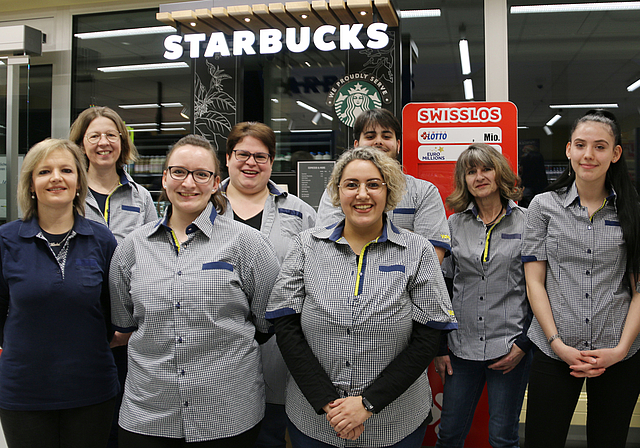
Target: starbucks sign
x=354, y=93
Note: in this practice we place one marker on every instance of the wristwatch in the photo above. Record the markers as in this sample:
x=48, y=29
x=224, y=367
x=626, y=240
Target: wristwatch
x=368, y=406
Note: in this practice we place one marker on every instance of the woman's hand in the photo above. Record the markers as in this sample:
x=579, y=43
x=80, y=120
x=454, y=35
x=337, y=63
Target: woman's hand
x=581, y=365
x=119, y=339
x=346, y=415
x=604, y=358
x=509, y=361
x=443, y=367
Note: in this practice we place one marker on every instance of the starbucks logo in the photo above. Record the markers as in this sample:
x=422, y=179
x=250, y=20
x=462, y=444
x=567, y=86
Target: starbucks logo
x=356, y=92
x=354, y=98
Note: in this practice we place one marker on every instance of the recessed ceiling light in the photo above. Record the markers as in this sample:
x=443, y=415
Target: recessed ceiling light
x=142, y=67
x=576, y=7
x=126, y=32
x=584, y=106
x=419, y=13
x=554, y=120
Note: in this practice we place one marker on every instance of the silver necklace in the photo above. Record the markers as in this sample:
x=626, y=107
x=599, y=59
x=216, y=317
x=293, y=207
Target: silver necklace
x=62, y=241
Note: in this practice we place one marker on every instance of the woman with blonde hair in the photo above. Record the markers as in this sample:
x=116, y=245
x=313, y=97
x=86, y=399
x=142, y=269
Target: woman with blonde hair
x=358, y=308
x=58, y=380
x=490, y=345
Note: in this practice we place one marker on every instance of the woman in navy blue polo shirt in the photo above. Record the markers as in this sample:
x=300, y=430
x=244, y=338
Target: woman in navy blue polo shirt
x=58, y=380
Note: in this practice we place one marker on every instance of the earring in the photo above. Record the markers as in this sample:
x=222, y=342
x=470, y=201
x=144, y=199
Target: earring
x=77, y=193
x=164, y=186
x=33, y=196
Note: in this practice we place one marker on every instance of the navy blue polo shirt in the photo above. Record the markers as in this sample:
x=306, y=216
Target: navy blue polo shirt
x=54, y=325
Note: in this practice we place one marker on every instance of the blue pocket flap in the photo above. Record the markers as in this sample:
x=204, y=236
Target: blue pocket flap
x=217, y=265
x=393, y=268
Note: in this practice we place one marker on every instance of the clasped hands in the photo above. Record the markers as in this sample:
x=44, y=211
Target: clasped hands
x=347, y=416
x=587, y=363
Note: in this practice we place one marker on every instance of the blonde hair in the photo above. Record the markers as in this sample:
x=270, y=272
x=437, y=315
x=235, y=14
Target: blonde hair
x=389, y=169
x=481, y=154
x=128, y=151
x=34, y=157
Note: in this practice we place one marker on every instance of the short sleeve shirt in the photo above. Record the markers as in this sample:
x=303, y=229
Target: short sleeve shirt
x=356, y=314
x=489, y=294
x=194, y=365
x=586, y=281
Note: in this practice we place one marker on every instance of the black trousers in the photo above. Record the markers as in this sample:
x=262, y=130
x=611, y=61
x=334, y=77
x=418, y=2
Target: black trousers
x=554, y=393
x=83, y=427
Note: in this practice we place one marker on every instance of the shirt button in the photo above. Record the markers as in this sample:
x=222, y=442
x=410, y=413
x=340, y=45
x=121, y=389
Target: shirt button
x=588, y=227
x=481, y=338
x=481, y=298
x=480, y=318
x=588, y=251
x=180, y=340
x=178, y=305
x=348, y=364
x=482, y=279
x=360, y=274
x=186, y=404
x=348, y=331
x=587, y=272
x=179, y=272
x=586, y=296
x=182, y=372
x=587, y=320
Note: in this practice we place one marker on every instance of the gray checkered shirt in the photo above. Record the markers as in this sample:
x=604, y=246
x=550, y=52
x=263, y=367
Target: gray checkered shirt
x=489, y=295
x=356, y=314
x=194, y=366
x=587, y=283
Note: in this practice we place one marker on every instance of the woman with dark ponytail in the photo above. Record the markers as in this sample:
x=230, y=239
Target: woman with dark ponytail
x=581, y=252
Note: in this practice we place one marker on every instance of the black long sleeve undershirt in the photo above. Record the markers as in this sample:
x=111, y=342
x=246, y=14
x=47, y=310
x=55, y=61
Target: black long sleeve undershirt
x=392, y=382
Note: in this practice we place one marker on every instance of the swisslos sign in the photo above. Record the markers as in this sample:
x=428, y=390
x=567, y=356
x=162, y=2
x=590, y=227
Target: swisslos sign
x=270, y=41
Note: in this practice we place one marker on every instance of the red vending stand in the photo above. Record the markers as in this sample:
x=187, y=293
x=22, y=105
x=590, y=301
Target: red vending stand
x=433, y=136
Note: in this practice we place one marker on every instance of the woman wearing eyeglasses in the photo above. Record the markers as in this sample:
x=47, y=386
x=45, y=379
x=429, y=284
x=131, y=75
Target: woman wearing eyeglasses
x=192, y=289
x=113, y=198
x=255, y=200
x=358, y=308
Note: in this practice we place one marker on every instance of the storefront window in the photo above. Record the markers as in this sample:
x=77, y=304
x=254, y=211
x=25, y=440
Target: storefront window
x=120, y=69
x=437, y=73
x=564, y=63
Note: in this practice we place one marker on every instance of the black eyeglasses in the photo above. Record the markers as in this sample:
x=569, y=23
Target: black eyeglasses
x=199, y=176
x=260, y=157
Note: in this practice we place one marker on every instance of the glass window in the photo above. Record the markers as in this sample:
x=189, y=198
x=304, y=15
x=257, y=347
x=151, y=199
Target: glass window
x=116, y=69
x=565, y=63
x=437, y=74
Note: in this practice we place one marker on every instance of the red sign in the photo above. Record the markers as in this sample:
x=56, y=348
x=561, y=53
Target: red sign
x=433, y=137
x=435, y=134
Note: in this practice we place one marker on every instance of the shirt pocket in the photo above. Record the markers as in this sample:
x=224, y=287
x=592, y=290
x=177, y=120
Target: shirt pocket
x=90, y=273
x=290, y=223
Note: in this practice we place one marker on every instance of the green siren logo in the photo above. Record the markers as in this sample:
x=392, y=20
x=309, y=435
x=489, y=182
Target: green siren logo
x=355, y=93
